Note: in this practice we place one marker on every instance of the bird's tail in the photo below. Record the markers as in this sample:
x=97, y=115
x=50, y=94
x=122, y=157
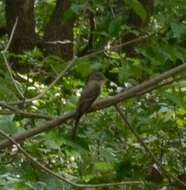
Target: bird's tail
x=75, y=128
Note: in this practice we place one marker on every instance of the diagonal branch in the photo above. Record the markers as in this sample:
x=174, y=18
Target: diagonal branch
x=4, y=54
x=134, y=91
x=109, y=101
x=118, y=109
x=11, y=36
x=25, y=114
x=62, y=178
x=150, y=153
x=72, y=62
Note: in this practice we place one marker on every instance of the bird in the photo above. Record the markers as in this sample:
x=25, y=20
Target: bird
x=88, y=96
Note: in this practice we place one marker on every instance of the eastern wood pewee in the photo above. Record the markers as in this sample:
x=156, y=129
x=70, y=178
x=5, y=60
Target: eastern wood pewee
x=89, y=94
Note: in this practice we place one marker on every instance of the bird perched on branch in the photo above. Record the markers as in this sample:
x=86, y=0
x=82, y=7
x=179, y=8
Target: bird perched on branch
x=89, y=94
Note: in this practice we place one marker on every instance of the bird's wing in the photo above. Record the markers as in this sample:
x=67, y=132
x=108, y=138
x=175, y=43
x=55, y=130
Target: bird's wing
x=88, y=96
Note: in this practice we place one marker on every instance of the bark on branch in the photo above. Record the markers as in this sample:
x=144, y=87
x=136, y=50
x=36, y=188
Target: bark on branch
x=109, y=101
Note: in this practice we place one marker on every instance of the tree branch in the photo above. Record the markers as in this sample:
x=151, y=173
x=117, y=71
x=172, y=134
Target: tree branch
x=4, y=54
x=24, y=113
x=72, y=62
x=62, y=178
x=109, y=101
x=150, y=153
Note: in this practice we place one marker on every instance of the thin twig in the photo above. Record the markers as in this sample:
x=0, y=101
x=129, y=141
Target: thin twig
x=156, y=86
x=11, y=35
x=114, y=47
x=164, y=171
x=59, y=42
x=118, y=109
x=108, y=101
x=64, y=179
x=4, y=54
x=72, y=62
x=24, y=113
x=134, y=91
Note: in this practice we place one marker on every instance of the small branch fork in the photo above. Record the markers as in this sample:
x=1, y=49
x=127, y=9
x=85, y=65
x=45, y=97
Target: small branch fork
x=64, y=179
x=4, y=54
x=72, y=62
x=150, y=153
x=16, y=111
x=135, y=91
x=107, y=102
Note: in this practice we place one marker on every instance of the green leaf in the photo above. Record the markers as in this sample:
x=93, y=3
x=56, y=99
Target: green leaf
x=53, y=140
x=138, y=8
x=177, y=100
x=70, y=15
x=123, y=73
x=7, y=124
x=178, y=29
x=7, y=91
x=103, y=166
x=84, y=68
x=77, y=8
x=96, y=66
x=115, y=26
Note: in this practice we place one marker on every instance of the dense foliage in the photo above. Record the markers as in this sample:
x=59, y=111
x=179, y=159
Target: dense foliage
x=105, y=150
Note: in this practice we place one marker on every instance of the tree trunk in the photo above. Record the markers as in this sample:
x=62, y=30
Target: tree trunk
x=24, y=37
x=59, y=30
x=135, y=22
